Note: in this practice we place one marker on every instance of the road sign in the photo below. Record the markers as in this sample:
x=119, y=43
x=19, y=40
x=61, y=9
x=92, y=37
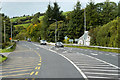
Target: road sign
x=66, y=37
x=70, y=40
x=10, y=38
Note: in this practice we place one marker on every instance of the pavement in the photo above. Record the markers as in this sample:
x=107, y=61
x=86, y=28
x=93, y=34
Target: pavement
x=32, y=60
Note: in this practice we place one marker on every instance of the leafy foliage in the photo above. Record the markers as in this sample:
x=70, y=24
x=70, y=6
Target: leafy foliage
x=75, y=25
x=106, y=35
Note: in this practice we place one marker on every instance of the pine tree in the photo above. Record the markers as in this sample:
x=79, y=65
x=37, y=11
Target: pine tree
x=91, y=15
x=75, y=25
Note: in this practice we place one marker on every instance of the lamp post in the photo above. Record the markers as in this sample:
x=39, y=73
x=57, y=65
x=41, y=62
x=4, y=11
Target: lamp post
x=55, y=29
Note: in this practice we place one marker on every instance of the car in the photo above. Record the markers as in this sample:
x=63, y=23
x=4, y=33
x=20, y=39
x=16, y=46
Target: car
x=59, y=44
x=43, y=42
x=29, y=40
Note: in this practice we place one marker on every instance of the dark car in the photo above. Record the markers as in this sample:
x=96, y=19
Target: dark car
x=29, y=40
x=59, y=44
x=43, y=42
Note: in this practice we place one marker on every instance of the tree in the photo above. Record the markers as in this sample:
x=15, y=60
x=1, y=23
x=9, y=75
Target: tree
x=119, y=9
x=51, y=13
x=109, y=11
x=91, y=15
x=75, y=25
x=45, y=22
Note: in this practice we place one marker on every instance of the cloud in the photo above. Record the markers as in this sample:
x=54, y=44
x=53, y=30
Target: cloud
x=82, y=1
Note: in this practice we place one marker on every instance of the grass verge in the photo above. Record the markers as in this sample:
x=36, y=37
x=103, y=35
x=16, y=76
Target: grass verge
x=99, y=49
x=2, y=58
x=8, y=50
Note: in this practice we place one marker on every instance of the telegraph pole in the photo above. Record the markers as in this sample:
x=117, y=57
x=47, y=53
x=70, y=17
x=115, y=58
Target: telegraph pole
x=4, y=33
x=11, y=31
x=84, y=20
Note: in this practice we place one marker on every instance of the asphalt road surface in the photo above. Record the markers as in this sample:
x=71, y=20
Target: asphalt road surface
x=32, y=60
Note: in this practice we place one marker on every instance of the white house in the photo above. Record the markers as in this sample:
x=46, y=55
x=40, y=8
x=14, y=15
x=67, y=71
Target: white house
x=84, y=39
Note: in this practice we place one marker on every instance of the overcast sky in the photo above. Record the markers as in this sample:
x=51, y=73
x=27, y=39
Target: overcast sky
x=56, y=0
x=15, y=9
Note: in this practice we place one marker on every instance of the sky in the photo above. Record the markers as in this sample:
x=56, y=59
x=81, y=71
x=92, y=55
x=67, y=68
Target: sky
x=13, y=7
x=56, y=0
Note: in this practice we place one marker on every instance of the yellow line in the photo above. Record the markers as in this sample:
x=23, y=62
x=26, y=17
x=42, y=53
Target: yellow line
x=36, y=73
x=40, y=61
x=26, y=79
x=33, y=79
x=38, y=67
x=39, y=64
x=31, y=73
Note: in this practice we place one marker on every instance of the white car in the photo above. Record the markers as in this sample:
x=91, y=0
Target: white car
x=43, y=42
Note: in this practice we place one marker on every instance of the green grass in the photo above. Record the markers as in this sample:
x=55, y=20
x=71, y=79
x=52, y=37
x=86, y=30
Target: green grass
x=2, y=59
x=8, y=50
x=25, y=25
x=41, y=17
x=65, y=13
x=14, y=19
x=99, y=49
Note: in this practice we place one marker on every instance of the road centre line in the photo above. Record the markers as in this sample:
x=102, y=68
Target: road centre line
x=31, y=73
x=39, y=64
x=37, y=68
x=36, y=73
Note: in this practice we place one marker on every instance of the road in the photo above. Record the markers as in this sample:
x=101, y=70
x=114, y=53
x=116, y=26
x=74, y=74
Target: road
x=32, y=60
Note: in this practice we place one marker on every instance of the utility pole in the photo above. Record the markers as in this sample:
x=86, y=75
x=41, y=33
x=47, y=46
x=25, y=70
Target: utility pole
x=55, y=29
x=4, y=33
x=11, y=31
x=84, y=20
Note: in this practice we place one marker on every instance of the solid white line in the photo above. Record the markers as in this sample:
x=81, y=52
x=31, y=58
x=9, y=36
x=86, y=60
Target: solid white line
x=99, y=77
x=92, y=65
x=95, y=73
x=84, y=76
x=108, y=70
x=93, y=54
x=97, y=67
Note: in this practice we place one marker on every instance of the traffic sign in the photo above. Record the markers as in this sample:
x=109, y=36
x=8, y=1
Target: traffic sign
x=66, y=37
x=10, y=38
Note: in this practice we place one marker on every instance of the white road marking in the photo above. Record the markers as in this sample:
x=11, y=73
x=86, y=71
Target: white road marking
x=108, y=70
x=37, y=48
x=113, y=55
x=103, y=61
x=70, y=62
x=93, y=54
x=98, y=77
x=95, y=73
x=107, y=54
